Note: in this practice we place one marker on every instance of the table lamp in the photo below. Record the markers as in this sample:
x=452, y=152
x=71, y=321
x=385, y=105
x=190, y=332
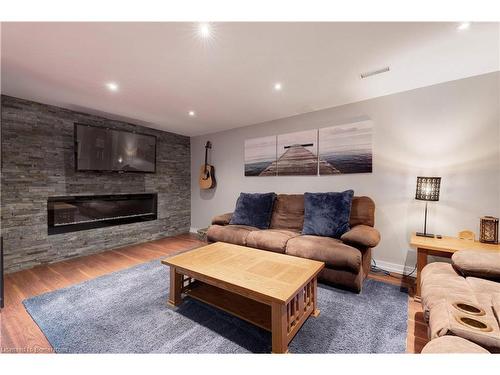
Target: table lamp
x=427, y=190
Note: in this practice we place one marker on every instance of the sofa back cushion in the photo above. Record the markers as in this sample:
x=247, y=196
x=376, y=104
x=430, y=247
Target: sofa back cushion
x=288, y=212
x=362, y=212
x=476, y=263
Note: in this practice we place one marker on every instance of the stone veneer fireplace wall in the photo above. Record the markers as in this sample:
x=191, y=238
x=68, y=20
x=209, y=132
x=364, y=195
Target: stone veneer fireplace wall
x=38, y=163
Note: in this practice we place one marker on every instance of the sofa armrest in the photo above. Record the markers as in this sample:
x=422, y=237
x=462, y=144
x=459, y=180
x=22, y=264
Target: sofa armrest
x=362, y=235
x=476, y=263
x=223, y=219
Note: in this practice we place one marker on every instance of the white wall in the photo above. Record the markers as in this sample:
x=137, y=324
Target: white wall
x=449, y=130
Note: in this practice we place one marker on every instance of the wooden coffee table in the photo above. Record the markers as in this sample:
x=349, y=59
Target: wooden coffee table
x=276, y=292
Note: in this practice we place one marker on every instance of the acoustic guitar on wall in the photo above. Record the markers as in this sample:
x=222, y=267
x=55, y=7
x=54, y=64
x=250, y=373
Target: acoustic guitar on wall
x=207, y=177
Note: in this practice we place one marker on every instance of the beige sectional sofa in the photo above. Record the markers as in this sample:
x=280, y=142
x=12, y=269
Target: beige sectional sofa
x=472, y=279
x=347, y=260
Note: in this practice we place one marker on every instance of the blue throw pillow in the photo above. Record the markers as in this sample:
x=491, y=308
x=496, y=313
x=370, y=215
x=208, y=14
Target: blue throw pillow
x=327, y=214
x=254, y=210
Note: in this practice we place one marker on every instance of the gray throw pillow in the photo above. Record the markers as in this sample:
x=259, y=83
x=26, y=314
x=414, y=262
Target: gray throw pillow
x=254, y=210
x=327, y=214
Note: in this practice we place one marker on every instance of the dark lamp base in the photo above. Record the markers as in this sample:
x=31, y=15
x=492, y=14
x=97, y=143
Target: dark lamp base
x=420, y=234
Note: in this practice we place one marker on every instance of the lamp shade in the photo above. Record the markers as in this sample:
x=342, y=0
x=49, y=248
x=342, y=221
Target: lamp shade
x=428, y=188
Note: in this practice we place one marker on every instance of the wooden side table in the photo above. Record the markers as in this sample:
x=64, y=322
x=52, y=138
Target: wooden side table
x=444, y=247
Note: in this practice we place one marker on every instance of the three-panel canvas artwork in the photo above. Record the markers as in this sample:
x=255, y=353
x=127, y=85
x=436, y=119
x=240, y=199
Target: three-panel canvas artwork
x=339, y=149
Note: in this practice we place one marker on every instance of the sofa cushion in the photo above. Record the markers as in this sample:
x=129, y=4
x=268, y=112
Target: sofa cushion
x=235, y=234
x=484, y=290
x=485, y=264
x=333, y=252
x=362, y=212
x=327, y=214
x=483, y=286
x=270, y=239
x=288, y=212
x=254, y=210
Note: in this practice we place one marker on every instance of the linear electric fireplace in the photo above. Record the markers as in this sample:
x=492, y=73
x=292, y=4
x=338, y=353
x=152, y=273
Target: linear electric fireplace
x=74, y=213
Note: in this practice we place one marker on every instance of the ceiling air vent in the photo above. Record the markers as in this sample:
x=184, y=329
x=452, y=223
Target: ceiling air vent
x=374, y=72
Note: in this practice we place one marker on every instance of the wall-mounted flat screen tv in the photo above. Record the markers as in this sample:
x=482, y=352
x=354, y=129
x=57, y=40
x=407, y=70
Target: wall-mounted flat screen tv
x=103, y=149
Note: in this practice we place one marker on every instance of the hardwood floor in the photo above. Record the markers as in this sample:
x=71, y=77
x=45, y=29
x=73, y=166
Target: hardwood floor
x=20, y=334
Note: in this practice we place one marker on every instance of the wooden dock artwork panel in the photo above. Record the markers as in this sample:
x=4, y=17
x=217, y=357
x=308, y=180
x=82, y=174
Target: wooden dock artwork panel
x=347, y=147
x=260, y=153
x=334, y=150
x=297, y=154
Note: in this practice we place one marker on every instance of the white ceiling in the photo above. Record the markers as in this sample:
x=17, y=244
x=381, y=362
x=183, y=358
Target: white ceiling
x=166, y=69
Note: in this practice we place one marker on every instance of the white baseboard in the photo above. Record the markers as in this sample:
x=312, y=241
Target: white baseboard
x=193, y=230
x=394, y=267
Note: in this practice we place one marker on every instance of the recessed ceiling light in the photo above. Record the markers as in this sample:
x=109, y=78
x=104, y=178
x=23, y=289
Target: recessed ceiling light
x=278, y=86
x=112, y=86
x=204, y=30
x=192, y=113
x=463, y=26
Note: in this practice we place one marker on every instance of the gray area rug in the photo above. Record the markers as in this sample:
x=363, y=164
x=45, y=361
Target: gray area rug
x=126, y=312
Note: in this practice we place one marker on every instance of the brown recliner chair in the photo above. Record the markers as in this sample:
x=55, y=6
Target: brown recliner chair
x=347, y=261
x=463, y=298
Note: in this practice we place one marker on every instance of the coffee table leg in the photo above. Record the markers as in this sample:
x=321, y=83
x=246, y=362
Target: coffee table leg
x=279, y=328
x=316, y=311
x=175, y=298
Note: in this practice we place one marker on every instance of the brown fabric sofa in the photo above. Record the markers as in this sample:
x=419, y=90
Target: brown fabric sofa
x=347, y=261
x=471, y=279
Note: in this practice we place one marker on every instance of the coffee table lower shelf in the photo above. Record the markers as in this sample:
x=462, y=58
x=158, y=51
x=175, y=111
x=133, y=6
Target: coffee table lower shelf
x=244, y=308
x=283, y=320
